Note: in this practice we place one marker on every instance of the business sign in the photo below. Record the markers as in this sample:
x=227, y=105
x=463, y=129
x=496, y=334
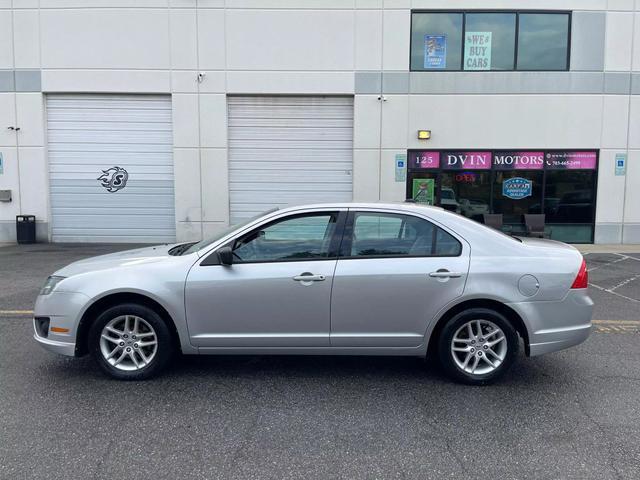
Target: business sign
x=466, y=161
x=401, y=167
x=571, y=160
x=517, y=188
x=477, y=51
x=435, y=52
x=423, y=190
x=424, y=159
x=518, y=160
x=621, y=164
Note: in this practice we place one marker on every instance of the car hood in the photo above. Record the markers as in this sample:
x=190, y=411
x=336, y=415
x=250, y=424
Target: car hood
x=138, y=256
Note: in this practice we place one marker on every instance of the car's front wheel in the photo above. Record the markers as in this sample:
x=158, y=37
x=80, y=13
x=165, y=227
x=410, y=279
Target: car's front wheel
x=130, y=342
x=477, y=346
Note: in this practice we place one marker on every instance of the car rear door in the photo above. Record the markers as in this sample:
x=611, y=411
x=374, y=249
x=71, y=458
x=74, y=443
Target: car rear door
x=395, y=272
x=277, y=292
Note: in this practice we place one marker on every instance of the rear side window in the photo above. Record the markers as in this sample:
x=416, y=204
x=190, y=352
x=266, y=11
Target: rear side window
x=396, y=235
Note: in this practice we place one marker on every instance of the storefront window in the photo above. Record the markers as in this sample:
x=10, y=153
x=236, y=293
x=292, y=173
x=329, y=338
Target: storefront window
x=516, y=193
x=559, y=184
x=467, y=192
x=570, y=203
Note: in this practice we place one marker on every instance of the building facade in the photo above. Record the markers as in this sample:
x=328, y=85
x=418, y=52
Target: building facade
x=168, y=120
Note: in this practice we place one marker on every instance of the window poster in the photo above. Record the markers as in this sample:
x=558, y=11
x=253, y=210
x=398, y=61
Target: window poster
x=435, y=51
x=477, y=51
x=423, y=190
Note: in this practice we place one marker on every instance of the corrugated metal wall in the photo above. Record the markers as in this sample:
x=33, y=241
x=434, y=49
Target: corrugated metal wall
x=111, y=168
x=288, y=151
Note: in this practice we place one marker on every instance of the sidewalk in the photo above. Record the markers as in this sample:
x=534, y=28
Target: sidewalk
x=608, y=248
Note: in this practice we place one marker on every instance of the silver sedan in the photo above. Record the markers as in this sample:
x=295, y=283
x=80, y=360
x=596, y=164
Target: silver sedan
x=338, y=279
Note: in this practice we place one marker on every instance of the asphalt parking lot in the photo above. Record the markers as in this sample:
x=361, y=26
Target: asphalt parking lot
x=572, y=415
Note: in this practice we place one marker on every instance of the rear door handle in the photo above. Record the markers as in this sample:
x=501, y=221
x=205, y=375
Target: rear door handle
x=445, y=274
x=309, y=277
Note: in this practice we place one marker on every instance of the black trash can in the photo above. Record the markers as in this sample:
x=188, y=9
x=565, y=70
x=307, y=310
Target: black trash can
x=26, y=228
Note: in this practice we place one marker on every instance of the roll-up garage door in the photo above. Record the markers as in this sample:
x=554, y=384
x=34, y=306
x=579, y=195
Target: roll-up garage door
x=288, y=151
x=111, y=168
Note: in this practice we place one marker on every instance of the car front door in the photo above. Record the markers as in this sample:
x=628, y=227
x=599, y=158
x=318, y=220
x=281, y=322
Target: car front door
x=395, y=272
x=276, y=293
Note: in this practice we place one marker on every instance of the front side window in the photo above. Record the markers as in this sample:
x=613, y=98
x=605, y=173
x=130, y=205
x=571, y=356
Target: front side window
x=476, y=41
x=303, y=237
x=387, y=234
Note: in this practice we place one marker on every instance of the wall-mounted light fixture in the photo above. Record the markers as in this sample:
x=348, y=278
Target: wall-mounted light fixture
x=424, y=134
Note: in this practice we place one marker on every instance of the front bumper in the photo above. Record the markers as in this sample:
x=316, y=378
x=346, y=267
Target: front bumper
x=64, y=310
x=554, y=326
x=55, y=346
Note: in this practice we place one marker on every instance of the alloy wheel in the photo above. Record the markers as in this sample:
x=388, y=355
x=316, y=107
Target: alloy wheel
x=128, y=343
x=479, y=347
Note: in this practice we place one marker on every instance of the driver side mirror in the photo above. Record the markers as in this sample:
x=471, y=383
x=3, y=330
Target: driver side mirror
x=225, y=254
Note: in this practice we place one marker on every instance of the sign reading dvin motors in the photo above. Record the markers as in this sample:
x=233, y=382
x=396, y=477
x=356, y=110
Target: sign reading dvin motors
x=503, y=160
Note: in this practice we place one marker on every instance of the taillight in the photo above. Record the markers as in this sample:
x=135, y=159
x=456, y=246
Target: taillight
x=582, y=279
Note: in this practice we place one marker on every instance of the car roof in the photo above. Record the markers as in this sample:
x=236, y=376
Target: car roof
x=408, y=206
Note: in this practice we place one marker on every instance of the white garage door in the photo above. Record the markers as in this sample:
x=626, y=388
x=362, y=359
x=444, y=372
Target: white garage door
x=288, y=151
x=111, y=168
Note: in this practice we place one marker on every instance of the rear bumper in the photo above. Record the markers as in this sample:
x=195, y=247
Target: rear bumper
x=554, y=326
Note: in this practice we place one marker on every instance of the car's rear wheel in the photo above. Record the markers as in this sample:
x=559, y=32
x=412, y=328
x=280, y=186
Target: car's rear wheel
x=130, y=342
x=477, y=346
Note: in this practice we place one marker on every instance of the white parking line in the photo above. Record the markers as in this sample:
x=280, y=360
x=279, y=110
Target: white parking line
x=608, y=290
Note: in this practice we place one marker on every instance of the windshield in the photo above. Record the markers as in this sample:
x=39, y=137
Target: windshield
x=208, y=241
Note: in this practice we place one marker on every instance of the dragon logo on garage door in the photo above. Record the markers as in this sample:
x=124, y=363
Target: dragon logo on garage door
x=113, y=179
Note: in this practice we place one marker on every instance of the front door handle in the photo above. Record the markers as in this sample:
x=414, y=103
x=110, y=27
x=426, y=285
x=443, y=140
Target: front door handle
x=442, y=273
x=309, y=277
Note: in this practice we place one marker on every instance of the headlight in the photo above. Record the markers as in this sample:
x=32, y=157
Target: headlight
x=50, y=284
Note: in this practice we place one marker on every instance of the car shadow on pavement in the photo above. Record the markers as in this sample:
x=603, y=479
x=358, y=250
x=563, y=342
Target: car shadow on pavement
x=289, y=369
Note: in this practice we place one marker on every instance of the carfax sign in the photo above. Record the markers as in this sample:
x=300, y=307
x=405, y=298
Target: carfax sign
x=516, y=188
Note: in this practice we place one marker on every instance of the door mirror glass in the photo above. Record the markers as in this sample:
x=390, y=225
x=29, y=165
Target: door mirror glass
x=225, y=254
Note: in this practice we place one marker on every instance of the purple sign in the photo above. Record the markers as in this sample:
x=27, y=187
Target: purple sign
x=424, y=159
x=518, y=160
x=570, y=160
x=466, y=160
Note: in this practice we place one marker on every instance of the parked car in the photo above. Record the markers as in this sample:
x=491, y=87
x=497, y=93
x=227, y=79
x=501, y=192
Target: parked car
x=472, y=208
x=448, y=200
x=343, y=279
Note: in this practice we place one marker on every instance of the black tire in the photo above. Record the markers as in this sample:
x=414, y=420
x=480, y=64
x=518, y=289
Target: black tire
x=445, y=354
x=165, y=343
